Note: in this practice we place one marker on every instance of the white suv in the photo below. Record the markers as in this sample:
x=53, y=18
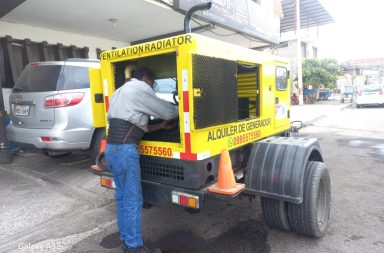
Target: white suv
x=51, y=108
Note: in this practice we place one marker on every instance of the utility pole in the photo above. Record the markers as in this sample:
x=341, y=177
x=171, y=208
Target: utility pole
x=5, y=154
x=298, y=54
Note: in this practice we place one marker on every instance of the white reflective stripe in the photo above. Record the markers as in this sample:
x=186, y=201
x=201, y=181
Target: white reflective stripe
x=105, y=87
x=187, y=125
x=113, y=185
x=176, y=155
x=184, y=75
x=204, y=155
x=175, y=199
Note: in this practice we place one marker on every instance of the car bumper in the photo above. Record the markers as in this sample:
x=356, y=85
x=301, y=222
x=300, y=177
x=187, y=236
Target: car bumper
x=75, y=139
x=370, y=101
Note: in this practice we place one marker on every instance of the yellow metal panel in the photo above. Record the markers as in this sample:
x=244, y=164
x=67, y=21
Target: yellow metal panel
x=98, y=109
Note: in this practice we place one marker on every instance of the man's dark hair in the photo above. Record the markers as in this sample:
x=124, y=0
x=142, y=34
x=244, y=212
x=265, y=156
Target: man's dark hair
x=141, y=72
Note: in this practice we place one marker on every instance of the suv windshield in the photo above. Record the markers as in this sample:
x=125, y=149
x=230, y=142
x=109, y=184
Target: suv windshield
x=167, y=85
x=36, y=78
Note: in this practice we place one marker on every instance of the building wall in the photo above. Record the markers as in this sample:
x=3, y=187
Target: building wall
x=21, y=31
x=39, y=34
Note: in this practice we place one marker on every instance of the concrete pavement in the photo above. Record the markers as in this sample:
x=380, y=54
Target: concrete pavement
x=51, y=203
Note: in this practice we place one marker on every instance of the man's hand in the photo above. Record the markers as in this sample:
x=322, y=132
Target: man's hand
x=167, y=124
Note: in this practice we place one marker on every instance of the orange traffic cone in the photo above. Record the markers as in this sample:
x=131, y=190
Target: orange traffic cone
x=226, y=183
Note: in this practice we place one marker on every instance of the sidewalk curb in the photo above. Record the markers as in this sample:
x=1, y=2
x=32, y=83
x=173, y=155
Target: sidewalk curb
x=346, y=106
x=311, y=121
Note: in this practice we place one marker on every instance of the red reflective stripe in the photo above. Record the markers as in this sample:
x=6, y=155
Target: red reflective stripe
x=186, y=101
x=188, y=155
x=187, y=142
x=106, y=98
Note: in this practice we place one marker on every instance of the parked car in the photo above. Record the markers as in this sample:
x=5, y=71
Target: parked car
x=51, y=109
x=370, y=95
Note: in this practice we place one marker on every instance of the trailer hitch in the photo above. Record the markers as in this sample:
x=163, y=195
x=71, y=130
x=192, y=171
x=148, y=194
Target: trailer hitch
x=296, y=125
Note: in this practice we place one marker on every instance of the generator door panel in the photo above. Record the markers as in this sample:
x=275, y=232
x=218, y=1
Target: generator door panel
x=215, y=91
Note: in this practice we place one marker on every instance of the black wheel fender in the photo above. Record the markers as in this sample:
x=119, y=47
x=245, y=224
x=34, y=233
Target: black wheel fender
x=276, y=167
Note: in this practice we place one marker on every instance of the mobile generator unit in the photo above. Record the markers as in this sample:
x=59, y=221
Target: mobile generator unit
x=234, y=106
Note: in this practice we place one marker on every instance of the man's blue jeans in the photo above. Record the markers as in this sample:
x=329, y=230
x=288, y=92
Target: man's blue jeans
x=123, y=162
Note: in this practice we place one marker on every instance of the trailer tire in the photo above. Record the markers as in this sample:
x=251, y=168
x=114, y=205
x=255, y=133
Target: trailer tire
x=94, y=150
x=101, y=162
x=311, y=217
x=275, y=213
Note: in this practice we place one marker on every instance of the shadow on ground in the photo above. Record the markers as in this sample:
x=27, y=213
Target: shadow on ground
x=246, y=237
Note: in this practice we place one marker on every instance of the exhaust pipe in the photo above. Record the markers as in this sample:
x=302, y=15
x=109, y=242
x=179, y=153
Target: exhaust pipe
x=191, y=11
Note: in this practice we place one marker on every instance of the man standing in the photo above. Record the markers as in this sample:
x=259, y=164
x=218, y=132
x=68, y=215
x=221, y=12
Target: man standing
x=128, y=115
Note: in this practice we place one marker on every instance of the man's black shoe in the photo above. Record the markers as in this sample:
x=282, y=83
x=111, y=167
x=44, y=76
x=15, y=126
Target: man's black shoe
x=123, y=247
x=142, y=249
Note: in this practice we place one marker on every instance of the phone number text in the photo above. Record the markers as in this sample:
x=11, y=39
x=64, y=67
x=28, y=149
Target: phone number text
x=157, y=151
x=244, y=138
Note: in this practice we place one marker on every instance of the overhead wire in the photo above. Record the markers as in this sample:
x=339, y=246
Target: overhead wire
x=218, y=34
x=226, y=35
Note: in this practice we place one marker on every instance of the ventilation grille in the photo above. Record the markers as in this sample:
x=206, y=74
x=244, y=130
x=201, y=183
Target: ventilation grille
x=155, y=169
x=215, y=80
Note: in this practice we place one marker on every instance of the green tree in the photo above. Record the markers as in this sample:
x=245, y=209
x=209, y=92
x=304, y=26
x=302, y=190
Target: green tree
x=320, y=72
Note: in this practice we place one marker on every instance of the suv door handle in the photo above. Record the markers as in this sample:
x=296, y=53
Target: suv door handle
x=277, y=100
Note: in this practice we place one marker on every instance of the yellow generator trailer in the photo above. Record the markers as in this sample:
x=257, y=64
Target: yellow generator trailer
x=229, y=98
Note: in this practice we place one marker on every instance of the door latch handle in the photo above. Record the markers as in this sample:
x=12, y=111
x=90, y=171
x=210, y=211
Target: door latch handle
x=277, y=100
